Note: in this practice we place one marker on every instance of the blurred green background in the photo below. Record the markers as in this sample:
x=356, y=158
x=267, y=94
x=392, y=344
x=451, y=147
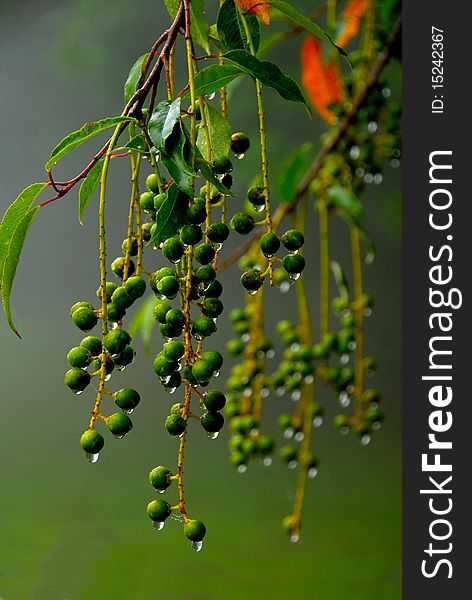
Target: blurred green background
x=71, y=531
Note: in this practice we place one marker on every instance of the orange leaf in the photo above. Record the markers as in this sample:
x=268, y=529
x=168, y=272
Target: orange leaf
x=352, y=15
x=321, y=80
x=261, y=9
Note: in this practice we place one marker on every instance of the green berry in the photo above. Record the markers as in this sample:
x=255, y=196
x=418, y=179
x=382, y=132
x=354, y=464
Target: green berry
x=214, y=290
x=266, y=444
x=175, y=425
x=85, y=318
x=202, y=370
x=375, y=415
x=119, y=424
x=340, y=421
x=135, y=286
x=227, y=181
x=110, y=287
x=127, y=398
x=114, y=314
x=252, y=280
x=205, y=274
x=293, y=239
x=294, y=263
x=79, y=357
x=147, y=231
x=288, y=454
x=371, y=396
x=162, y=367
x=194, y=530
x=121, y=299
x=118, y=267
x=109, y=364
x=222, y=165
x=78, y=305
x=204, y=254
x=173, y=350
x=92, y=344
x=339, y=304
x=158, y=510
x=214, y=400
x=132, y=244
x=269, y=244
x=160, y=311
x=169, y=287
x=146, y=202
x=235, y=347
x=91, y=441
x=164, y=272
x=217, y=233
x=240, y=143
x=159, y=201
x=212, y=421
x=242, y=223
x=152, y=183
x=76, y=379
x=191, y=234
x=116, y=341
x=203, y=327
x=212, y=307
x=256, y=195
x=173, y=249
x=159, y=478
x=125, y=357
x=173, y=383
x=175, y=318
x=196, y=212
x=214, y=358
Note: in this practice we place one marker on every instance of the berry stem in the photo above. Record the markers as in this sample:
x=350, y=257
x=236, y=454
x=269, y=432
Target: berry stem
x=359, y=327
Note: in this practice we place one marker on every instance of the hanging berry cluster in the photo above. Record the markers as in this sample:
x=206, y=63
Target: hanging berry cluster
x=175, y=237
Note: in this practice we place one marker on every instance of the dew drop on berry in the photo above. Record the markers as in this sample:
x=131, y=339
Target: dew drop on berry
x=295, y=347
x=299, y=436
x=242, y=469
x=216, y=373
x=239, y=155
x=344, y=430
x=258, y=207
x=118, y=436
x=296, y=395
x=270, y=353
x=378, y=178
x=365, y=440
x=213, y=434
x=297, y=376
x=360, y=172
x=309, y=379
x=345, y=359
x=267, y=461
x=372, y=127
x=120, y=369
x=376, y=426
x=165, y=380
x=171, y=390
x=294, y=538
x=354, y=152
x=93, y=457
x=211, y=96
x=293, y=464
x=198, y=337
x=128, y=411
x=158, y=525
x=317, y=421
x=367, y=312
x=280, y=391
x=265, y=392
x=197, y=546
x=313, y=472
x=386, y=92
x=245, y=338
x=344, y=399
x=107, y=377
x=114, y=325
x=252, y=292
x=218, y=246
x=352, y=346
x=368, y=178
x=78, y=392
x=288, y=433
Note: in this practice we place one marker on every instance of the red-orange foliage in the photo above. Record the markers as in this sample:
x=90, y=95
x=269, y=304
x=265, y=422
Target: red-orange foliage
x=352, y=16
x=261, y=9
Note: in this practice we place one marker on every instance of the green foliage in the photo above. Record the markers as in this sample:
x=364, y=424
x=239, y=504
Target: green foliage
x=211, y=79
x=88, y=187
x=135, y=76
x=293, y=170
x=231, y=30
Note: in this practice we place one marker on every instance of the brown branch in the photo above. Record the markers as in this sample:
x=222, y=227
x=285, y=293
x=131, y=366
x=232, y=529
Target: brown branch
x=284, y=209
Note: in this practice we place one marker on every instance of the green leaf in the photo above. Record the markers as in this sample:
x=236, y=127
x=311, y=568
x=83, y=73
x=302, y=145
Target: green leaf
x=293, y=14
x=10, y=262
x=198, y=24
x=212, y=78
x=138, y=144
x=231, y=28
x=340, y=279
x=134, y=77
x=163, y=120
x=88, y=187
x=292, y=172
x=268, y=73
x=80, y=136
x=347, y=203
x=219, y=131
x=171, y=215
x=208, y=174
x=143, y=321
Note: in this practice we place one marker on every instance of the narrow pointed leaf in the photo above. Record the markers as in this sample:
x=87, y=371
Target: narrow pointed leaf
x=83, y=134
x=212, y=78
x=138, y=144
x=88, y=186
x=171, y=215
x=163, y=120
x=293, y=170
x=231, y=28
x=268, y=73
x=143, y=321
x=134, y=77
x=10, y=262
x=208, y=174
x=340, y=279
x=199, y=28
x=219, y=132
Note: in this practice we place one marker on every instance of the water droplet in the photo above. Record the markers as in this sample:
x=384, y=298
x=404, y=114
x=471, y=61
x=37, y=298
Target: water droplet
x=158, y=525
x=171, y=390
x=372, y=127
x=176, y=261
x=128, y=411
x=360, y=172
x=292, y=465
x=396, y=153
x=288, y=433
x=114, y=325
x=165, y=380
x=295, y=538
x=313, y=472
x=78, y=392
x=211, y=96
x=386, y=92
x=242, y=469
x=247, y=392
x=258, y=207
x=155, y=247
x=296, y=395
x=309, y=379
x=161, y=245
x=395, y=163
x=107, y=377
x=118, y=436
x=198, y=337
x=245, y=338
x=299, y=436
x=270, y=353
x=354, y=152
x=216, y=373
x=295, y=276
x=213, y=434
x=367, y=312
x=265, y=392
x=285, y=287
x=93, y=458
x=352, y=345
x=350, y=389
x=368, y=178
x=365, y=439
x=295, y=346
x=370, y=373
x=178, y=367
x=376, y=425
x=344, y=430
x=197, y=546
x=297, y=376
x=239, y=155
x=161, y=491
x=267, y=461
x=344, y=399
x=253, y=292
x=378, y=178
x=280, y=391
